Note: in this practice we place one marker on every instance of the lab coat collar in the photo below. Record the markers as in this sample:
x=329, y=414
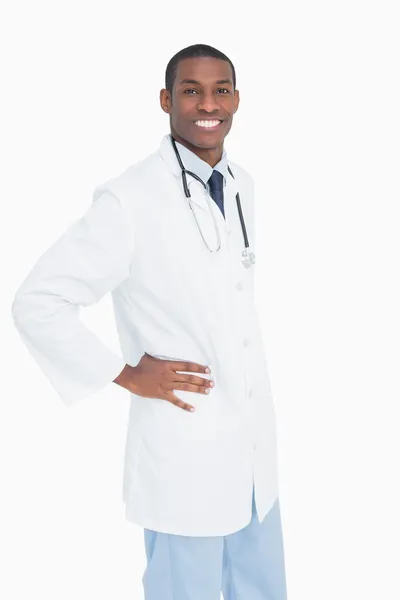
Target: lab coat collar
x=197, y=191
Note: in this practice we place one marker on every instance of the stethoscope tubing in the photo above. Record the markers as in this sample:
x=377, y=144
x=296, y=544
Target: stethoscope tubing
x=188, y=195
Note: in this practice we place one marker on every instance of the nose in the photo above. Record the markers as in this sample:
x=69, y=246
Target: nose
x=208, y=102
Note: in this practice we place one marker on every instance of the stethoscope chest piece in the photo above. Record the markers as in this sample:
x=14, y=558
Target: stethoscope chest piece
x=248, y=258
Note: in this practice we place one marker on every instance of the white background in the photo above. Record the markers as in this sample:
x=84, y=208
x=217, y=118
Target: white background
x=318, y=128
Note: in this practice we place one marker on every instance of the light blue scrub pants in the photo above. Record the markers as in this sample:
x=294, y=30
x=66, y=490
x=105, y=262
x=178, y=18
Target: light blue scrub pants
x=246, y=565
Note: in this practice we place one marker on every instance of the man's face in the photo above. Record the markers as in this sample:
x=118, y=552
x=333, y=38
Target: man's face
x=203, y=91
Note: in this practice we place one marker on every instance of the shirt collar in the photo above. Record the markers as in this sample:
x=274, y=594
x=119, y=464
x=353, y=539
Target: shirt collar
x=167, y=155
x=200, y=167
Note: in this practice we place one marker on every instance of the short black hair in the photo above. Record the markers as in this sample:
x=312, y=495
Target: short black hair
x=194, y=51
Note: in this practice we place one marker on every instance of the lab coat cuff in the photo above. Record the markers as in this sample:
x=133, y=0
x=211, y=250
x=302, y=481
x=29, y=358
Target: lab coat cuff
x=108, y=371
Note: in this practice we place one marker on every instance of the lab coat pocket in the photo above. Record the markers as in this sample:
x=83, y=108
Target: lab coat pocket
x=171, y=420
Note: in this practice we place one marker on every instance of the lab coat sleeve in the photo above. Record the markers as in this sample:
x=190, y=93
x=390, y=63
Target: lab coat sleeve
x=91, y=258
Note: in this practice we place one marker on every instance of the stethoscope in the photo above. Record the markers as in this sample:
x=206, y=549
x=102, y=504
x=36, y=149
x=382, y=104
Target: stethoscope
x=248, y=258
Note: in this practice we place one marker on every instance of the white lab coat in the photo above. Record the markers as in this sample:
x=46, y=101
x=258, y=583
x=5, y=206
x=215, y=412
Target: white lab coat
x=185, y=473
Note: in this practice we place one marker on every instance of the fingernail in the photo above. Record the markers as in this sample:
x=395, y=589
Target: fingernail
x=191, y=409
x=208, y=370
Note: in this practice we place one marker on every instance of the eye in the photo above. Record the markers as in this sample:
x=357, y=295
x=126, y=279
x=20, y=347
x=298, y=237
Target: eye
x=225, y=89
x=190, y=90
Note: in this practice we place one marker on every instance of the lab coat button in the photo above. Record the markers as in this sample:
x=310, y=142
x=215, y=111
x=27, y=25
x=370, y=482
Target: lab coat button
x=246, y=342
x=239, y=286
x=250, y=393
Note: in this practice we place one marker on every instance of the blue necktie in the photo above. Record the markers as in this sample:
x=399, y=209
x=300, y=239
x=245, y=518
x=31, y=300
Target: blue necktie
x=216, y=183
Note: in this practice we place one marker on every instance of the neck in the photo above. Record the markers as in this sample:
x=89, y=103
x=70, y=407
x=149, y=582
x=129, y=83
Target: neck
x=211, y=156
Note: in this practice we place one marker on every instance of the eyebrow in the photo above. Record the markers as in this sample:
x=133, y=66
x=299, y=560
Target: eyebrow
x=198, y=82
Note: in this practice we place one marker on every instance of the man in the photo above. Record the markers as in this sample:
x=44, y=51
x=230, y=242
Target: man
x=166, y=237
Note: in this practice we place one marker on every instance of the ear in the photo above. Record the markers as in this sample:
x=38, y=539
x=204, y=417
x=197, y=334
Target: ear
x=236, y=100
x=165, y=100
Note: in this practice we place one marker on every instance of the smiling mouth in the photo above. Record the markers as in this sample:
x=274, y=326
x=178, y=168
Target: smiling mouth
x=211, y=124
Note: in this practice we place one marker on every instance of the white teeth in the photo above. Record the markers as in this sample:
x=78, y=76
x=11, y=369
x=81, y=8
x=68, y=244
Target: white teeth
x=207, y=123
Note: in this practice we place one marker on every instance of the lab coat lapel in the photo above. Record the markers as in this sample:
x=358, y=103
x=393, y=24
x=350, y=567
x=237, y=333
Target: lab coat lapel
x=230, y=206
